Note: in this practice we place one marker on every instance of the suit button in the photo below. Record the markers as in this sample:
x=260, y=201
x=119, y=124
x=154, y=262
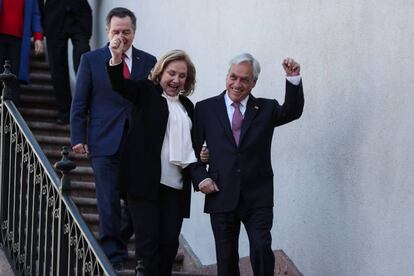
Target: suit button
x=238, y=170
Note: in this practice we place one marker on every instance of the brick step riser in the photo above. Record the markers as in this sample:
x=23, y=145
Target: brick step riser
x=38, y=105
x=82, y=191
x=37, y=89
x=52, y=135
x=87, y=208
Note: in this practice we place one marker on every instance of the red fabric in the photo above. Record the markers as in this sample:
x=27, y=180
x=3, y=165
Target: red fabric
x=38, y=36
x=127, y=74
x=11, y=17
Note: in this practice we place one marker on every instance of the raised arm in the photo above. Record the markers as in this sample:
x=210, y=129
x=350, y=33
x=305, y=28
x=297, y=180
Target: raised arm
x=294, y=100
x=133, y=90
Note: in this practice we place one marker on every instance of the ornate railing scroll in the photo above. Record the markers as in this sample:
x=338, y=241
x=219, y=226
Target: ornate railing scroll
x=41, y=229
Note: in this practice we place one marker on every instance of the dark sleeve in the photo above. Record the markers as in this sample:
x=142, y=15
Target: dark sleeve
x=136, y=91
x=80, y=103
x=292, y=108
x=198, y=169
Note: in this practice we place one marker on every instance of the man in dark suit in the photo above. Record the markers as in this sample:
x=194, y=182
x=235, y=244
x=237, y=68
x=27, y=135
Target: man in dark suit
x=99, y=121
x=64, y=20
x=238, y=129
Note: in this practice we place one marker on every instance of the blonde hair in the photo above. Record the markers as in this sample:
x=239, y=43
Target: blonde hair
x=169, y=57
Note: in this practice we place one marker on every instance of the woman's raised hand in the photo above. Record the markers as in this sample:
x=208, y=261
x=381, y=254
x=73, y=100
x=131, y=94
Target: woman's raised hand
x=116, y=45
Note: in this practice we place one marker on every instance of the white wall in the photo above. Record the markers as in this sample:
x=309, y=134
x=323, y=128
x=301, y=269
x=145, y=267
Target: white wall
x=344, y=171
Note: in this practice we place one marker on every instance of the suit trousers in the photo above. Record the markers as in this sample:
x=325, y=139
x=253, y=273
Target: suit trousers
x=57, y=47
x=157, y=226
x=226, y=230
x=114, y=221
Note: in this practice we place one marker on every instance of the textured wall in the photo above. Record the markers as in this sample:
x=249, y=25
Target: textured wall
x=343, y=172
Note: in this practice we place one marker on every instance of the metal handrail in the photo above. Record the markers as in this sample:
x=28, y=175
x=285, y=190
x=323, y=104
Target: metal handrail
x=41, y=229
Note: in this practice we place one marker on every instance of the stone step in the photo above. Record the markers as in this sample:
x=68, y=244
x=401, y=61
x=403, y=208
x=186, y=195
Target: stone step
x=85, y=204
x=82, y=188
x=83, y=185
x=40, y=77
x=130, y=272
x=36, y=112
x=83, y=170
x=46, y=128
x=57, y=140
x=37, y=88
x=49, y=128
x=39, y=64
x=38, y=100
x=82, y=173
x=85, y=201
x=91, y=218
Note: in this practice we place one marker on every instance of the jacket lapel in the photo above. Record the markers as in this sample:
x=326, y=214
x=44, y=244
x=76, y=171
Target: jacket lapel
x=184, y=102
x=221, y=111
x=136, y=68
x=164, y=113
x=251, y=110
x=106, y=53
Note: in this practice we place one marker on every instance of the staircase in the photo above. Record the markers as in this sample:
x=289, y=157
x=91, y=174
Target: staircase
x=38, y=109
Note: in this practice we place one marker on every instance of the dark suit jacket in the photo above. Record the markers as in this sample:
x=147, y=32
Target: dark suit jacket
x=244, y=171
x=141, y=157
x=54, y=15
x=98, y=114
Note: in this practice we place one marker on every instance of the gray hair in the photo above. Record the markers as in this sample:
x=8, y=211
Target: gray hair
x=121, y=13
x=246, y=57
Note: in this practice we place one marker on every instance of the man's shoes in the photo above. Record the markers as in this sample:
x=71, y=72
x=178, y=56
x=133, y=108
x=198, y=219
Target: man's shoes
x=118, y=266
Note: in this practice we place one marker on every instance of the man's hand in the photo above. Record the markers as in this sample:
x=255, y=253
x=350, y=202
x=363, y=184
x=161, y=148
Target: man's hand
x=204, y=154
x=208, y=186
x=116, y=45
x=80, y=148
x=38, y=47
x=292, y=68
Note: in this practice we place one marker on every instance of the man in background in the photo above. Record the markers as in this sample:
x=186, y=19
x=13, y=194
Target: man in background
x=99, y=122
x=19, y=22
x=64, y=20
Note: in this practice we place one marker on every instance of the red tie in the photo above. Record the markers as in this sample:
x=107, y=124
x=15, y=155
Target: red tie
x=236, y=122
x=127, y=74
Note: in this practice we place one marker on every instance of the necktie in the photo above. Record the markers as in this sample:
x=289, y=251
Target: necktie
x=236, y=122
x=127, y=74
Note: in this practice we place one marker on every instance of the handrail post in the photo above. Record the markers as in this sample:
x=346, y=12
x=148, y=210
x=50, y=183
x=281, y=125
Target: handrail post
x=139, y=269
x=64, y=166
x=5, y=78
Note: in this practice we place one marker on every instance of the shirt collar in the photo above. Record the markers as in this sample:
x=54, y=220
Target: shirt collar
x=128, y=53
x=228, y=101
x=170, y=98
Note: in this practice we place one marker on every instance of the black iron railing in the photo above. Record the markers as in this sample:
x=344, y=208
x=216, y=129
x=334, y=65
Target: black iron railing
x=41, y=229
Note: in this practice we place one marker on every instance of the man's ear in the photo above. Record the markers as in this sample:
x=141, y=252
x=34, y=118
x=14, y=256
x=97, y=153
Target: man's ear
x=254, y=83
